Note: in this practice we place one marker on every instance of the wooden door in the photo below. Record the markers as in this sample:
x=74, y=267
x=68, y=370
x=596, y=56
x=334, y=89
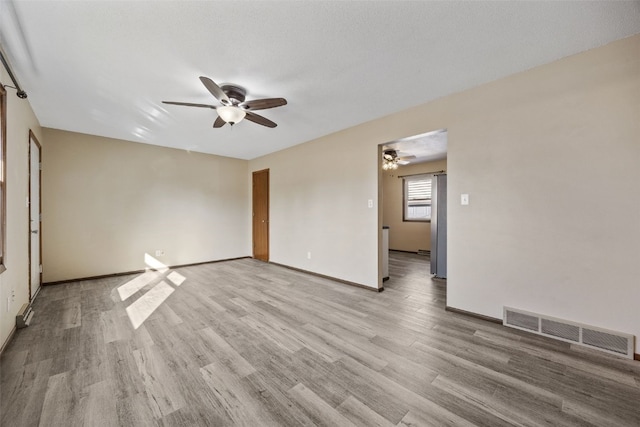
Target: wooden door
x=261, y=215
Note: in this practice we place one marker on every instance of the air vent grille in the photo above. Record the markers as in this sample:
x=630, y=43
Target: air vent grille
x=604, y=341
x=560, y=330
x=601, y=339
x=522, y=320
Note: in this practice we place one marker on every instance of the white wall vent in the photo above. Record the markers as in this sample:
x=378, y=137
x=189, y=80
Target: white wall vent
x=605, y=340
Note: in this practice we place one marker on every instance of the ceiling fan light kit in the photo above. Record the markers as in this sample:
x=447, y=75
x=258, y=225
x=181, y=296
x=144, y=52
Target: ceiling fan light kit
x=231, y=114
x=234, y=108
x=389, y=160
x=389, y=165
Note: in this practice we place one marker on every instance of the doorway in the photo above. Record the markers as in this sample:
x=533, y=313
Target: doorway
x=260, y=197
x=408, y=167
x=35, y=217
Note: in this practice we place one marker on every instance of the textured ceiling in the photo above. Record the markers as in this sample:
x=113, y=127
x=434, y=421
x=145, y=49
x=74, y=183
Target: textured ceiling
x=426, y=147
x=103, y=67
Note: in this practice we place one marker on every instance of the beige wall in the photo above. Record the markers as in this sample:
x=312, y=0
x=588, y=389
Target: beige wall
x=550, y=159
x=405, y=235
x=107, y=203
x=319, y=204
x=20, y=119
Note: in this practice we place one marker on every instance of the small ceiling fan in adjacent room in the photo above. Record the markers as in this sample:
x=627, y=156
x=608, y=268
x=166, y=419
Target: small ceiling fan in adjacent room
x=391, y=159
x=233, y=106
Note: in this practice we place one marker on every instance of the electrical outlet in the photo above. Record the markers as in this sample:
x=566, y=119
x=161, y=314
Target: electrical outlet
x=159, y=252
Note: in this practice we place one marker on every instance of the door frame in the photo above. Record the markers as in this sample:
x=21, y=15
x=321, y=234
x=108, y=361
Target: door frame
x=253, y=226
x=34, y=139
x=382, y=221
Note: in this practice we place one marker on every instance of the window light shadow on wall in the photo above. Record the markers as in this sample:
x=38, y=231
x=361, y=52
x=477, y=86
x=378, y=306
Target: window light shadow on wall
x=140, y=309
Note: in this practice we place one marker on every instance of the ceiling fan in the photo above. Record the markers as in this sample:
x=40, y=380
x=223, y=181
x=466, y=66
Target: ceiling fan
x=234, y=108
x=392, y=156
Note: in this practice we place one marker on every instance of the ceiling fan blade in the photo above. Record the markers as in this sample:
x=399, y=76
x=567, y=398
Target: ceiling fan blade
x=188, y=104
x=215, y=90
x=409, y=157
x=256, y=118
x=263, y=104
x=219, y=123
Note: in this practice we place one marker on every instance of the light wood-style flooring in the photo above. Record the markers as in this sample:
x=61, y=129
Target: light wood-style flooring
x=245, y=343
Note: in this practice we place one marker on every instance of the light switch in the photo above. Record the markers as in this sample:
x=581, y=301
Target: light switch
x=464, y=199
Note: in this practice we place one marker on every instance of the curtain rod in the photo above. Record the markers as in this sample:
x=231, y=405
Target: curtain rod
x=423, y=173
x=21, y=93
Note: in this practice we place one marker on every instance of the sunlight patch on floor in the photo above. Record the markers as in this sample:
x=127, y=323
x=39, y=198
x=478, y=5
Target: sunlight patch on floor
x=143, y=307
x=176, y=278
x=135, y=284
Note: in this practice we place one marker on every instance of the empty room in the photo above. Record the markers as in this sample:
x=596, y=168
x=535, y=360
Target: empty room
x=319, y=213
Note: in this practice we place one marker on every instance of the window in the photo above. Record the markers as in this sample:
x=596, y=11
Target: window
x=417, y=198
x=3, y=173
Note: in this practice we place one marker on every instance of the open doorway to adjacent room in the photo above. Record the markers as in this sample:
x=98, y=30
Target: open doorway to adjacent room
x=410, y=170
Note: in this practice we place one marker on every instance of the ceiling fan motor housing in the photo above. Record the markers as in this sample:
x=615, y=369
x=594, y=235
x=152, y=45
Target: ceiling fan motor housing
x=390, y=154
x=235, y=93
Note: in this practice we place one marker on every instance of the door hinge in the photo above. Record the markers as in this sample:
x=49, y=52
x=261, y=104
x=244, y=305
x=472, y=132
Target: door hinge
x=41, y=268
x=40, y=166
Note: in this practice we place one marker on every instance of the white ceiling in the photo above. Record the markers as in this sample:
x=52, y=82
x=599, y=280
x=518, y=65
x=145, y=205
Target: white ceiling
x=103, y=67
x=426, y=147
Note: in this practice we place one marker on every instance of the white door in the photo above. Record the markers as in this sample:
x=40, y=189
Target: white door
x=35, y=276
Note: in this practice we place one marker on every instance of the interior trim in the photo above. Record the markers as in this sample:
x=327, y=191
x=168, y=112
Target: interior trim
x=3, y=177
x=34, y=139
x=126, y=273
x=346, y=282
x=9, y=338
x=476, y=315
x=36, y=295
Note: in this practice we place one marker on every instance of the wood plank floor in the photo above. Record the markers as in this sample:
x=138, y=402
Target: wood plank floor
x=244, y=343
